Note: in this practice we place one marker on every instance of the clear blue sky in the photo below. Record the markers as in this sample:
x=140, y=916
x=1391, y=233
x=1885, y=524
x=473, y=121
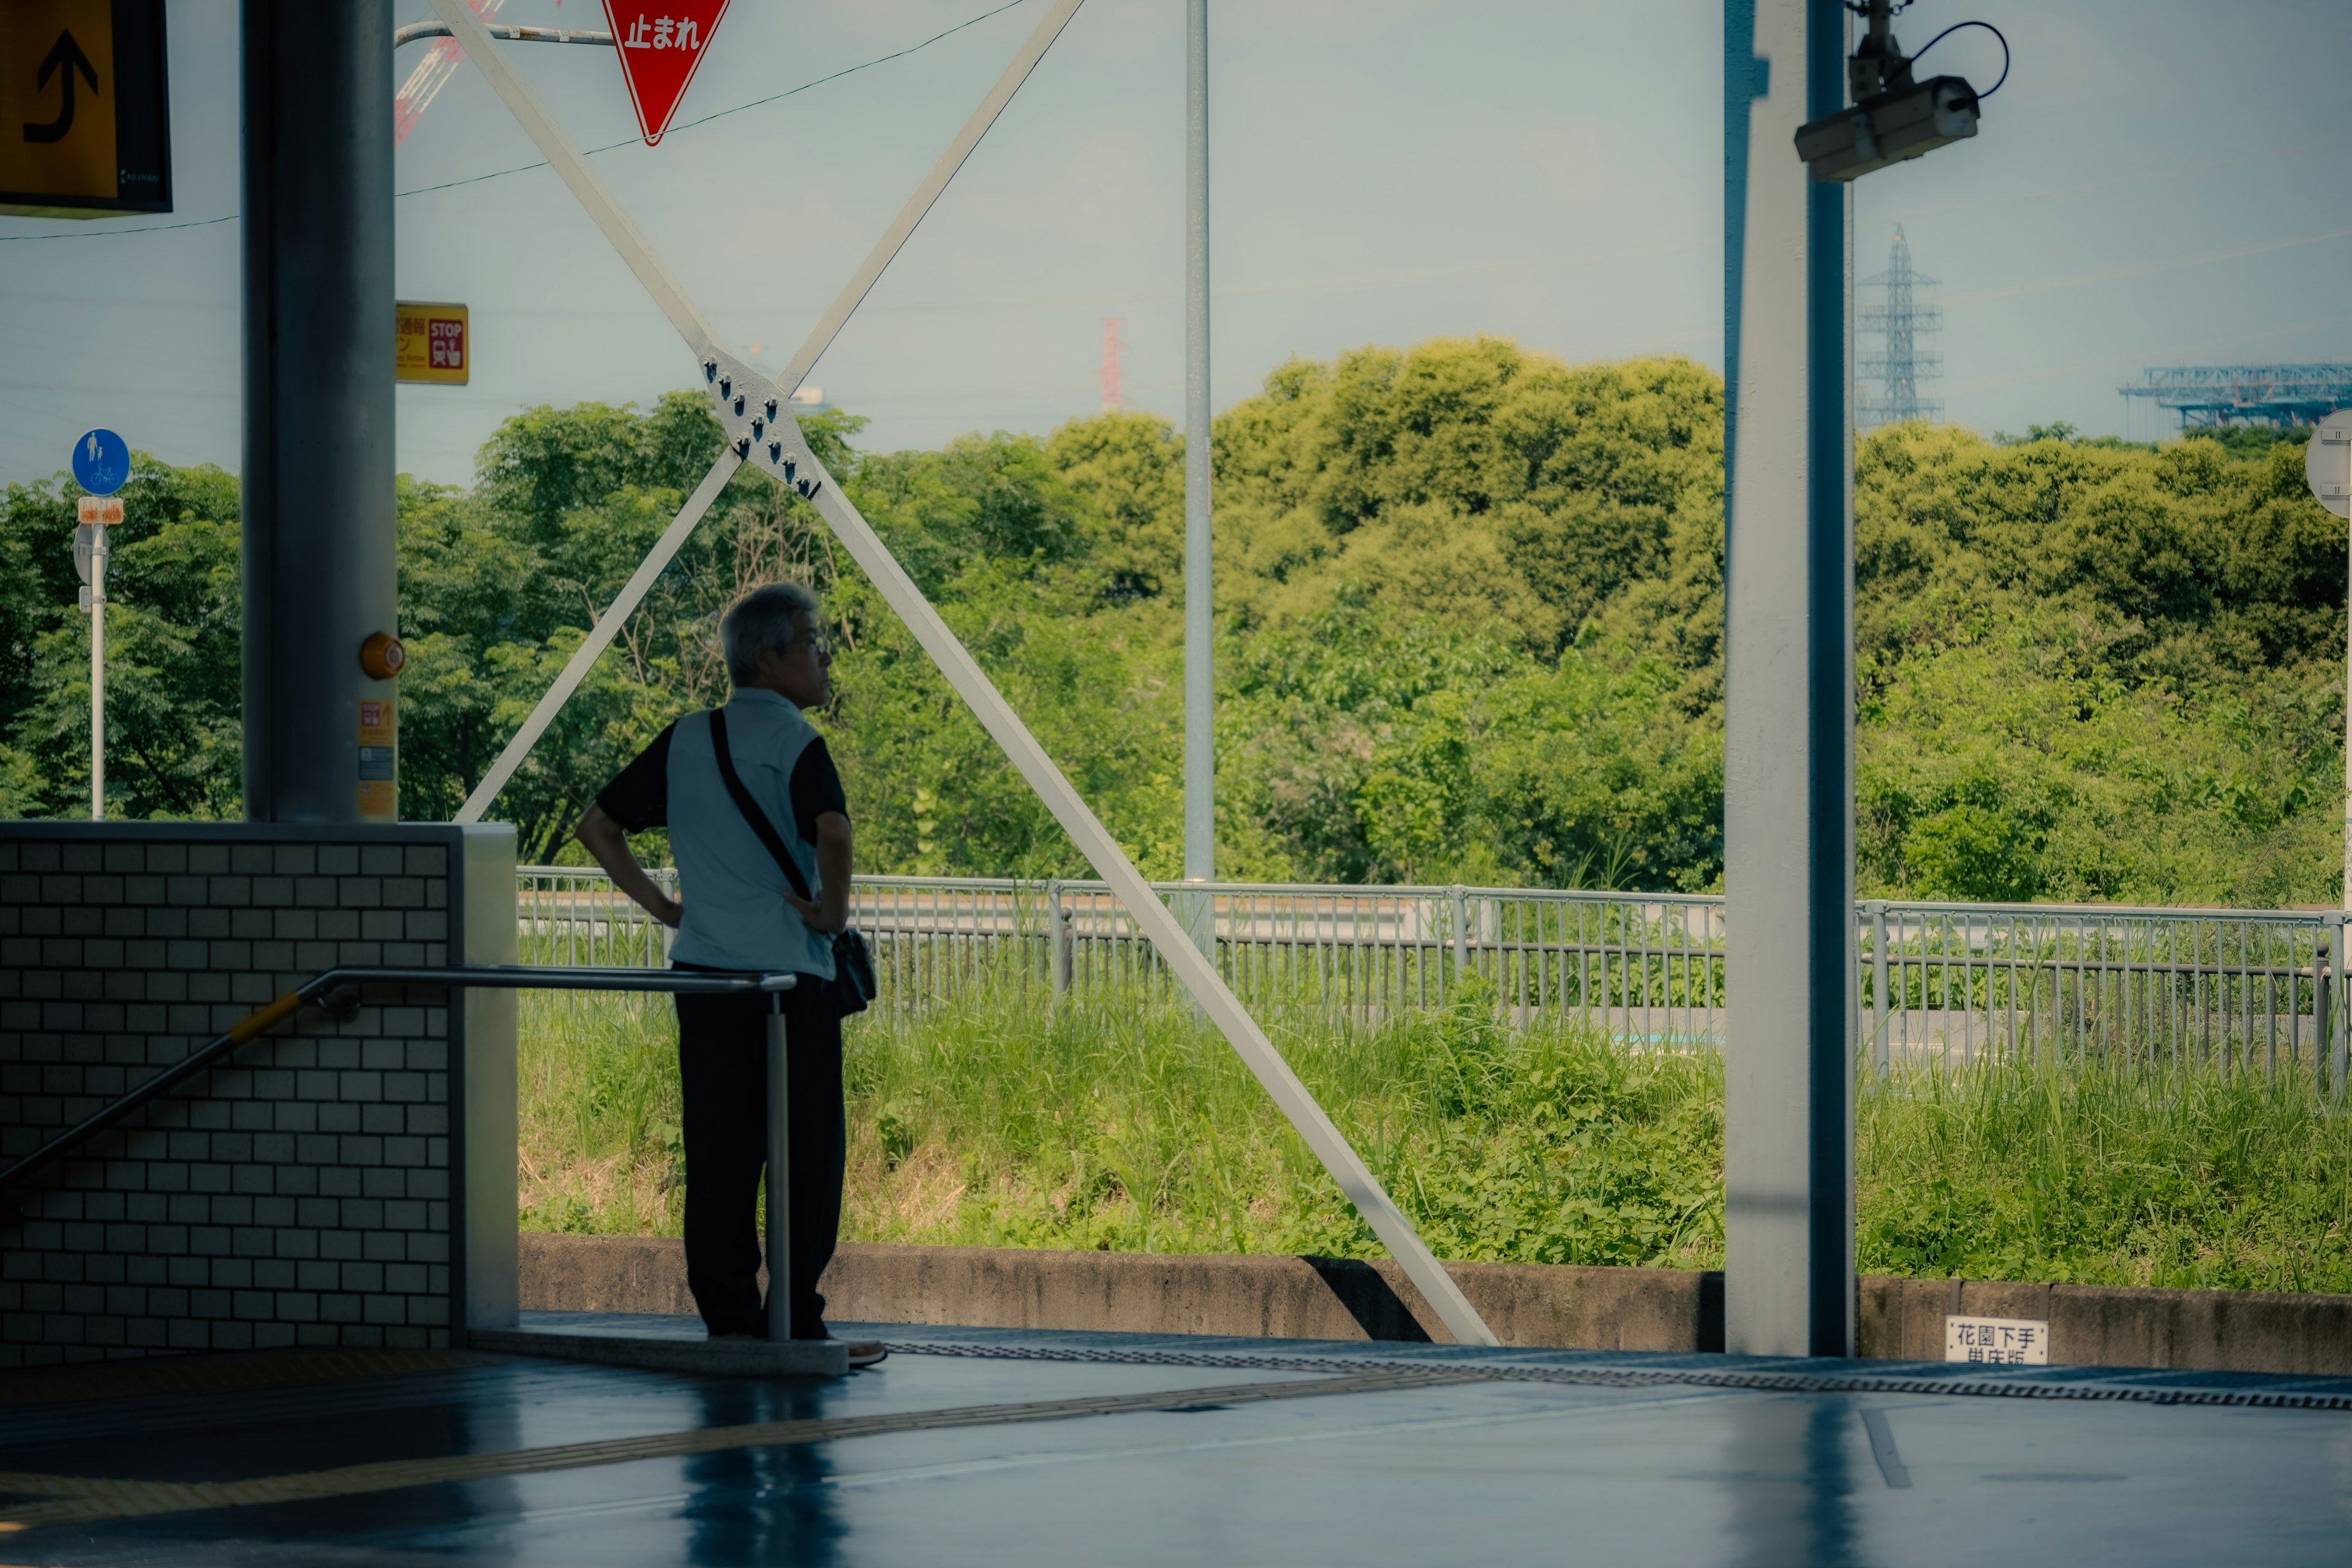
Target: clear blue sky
x=2160, y=182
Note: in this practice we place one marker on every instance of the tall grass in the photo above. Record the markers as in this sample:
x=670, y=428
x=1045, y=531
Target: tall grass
x=2106, y=1172
x=599, y=1148
x=997, y=1123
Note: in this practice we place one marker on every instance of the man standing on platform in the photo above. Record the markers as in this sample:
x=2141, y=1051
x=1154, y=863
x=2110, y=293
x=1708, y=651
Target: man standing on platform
x=739, y=911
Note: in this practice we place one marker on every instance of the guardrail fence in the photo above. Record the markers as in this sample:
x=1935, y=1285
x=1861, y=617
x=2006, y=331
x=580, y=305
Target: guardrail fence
x=2186, y=987
x=2237, y=989
x=571, y=914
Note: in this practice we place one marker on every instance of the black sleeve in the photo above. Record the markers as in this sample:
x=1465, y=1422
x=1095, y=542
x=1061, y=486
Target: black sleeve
x=817, y=789
x=639, y=797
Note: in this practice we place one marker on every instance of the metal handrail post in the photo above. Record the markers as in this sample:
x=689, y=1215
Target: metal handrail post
x=1057, y=936
x=1461, y=897
x=1878, y=1016
x=780, y=1177
x=2323, y=954
x=2341, y=1046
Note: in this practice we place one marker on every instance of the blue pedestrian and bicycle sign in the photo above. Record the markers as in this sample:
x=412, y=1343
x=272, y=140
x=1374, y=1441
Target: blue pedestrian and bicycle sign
x=101, y=462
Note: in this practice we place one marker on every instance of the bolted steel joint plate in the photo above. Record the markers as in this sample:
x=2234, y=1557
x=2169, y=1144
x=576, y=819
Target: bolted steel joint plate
x=757, y=416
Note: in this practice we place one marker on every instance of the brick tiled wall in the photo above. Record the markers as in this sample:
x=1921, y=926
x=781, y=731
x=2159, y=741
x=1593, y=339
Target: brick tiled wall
x=300, y=1195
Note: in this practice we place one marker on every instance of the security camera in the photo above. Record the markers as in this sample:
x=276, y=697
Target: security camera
x=1894, y=116
x=1888, y=127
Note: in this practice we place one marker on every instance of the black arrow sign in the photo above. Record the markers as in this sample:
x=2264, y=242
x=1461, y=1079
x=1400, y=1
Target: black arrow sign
x=64, y=54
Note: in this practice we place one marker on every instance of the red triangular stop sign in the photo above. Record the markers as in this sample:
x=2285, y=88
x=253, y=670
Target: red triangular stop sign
x=660, y=45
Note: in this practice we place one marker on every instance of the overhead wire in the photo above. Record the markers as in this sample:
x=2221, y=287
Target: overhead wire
x=738, y=109
x=608, y=147
x=104, y=233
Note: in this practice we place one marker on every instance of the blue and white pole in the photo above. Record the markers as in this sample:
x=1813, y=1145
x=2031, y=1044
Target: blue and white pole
x=1788, y=697
x=101, y=464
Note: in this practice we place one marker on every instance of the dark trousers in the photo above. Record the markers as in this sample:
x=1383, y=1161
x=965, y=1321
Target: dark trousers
x=722, y=1058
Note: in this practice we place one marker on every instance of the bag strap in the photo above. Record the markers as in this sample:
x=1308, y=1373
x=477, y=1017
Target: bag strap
x=750, y=807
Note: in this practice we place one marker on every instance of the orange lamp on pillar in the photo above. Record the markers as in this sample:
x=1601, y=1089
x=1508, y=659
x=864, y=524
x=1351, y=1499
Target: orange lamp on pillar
x=380, y=658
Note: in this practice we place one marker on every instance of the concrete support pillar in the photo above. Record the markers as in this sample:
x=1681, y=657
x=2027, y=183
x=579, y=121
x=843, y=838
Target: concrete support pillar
x=488, y=1113
x=317, y=480
x=1788, y=720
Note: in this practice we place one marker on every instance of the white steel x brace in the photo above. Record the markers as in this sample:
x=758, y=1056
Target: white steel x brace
x=697, y=333
x=761, y=430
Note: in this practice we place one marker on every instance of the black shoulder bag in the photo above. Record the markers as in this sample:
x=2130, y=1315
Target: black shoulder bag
x=853, y=963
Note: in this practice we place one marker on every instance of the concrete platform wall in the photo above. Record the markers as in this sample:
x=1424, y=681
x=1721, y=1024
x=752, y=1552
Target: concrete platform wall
x=301, y=1195
x=1527, y=1304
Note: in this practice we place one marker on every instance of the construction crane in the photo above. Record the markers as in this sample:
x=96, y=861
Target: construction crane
x=2217, y=395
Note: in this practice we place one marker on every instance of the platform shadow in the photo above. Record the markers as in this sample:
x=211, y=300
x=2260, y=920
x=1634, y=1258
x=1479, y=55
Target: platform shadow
x=1369, y=1299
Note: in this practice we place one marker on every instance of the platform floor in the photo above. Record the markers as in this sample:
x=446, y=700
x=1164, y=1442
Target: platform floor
x=973, y=1446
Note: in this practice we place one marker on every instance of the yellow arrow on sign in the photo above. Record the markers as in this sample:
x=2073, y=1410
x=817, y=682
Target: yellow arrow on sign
x=64, y=57
x=57, y=134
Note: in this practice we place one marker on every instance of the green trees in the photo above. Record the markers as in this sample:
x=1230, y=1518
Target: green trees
x=1468, y=481
x=2097, y=672
x=1470, y=609
x=1475, y=598
x=1361, y=747
x=173, y=681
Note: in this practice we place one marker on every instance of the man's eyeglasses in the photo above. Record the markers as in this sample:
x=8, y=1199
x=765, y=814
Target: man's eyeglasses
x=819, y=641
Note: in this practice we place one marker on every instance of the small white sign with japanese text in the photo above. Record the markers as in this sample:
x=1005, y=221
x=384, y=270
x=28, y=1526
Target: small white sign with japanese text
x=1998, y=1341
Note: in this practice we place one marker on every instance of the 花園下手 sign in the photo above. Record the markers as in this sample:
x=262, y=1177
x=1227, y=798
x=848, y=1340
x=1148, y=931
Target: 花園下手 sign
x=1997, y=1341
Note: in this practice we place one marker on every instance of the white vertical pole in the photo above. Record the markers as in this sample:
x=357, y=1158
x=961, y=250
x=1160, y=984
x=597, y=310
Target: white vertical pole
x=1199, y=684
x=98, y=553
x=1788, y=704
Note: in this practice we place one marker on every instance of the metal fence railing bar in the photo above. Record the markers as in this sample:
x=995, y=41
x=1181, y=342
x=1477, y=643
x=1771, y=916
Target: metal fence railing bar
x=2171, y=988
x=574, y=915
x=2235, y=989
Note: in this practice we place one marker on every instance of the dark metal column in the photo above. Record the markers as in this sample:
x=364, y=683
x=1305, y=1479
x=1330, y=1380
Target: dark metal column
x=318, y=482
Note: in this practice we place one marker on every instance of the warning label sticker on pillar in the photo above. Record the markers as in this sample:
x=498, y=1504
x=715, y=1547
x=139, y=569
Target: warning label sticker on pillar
x=430, y=343
x=379, y=782
x=660, y=46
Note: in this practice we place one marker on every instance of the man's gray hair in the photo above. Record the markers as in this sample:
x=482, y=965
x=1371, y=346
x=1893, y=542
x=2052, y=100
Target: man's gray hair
x=765, y=617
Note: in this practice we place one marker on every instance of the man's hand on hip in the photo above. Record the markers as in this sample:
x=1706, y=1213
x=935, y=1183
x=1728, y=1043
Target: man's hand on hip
x=604, y=839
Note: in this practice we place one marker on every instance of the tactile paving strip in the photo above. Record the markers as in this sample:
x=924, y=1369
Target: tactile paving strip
x=80, y=1499
x=2075, y=1383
